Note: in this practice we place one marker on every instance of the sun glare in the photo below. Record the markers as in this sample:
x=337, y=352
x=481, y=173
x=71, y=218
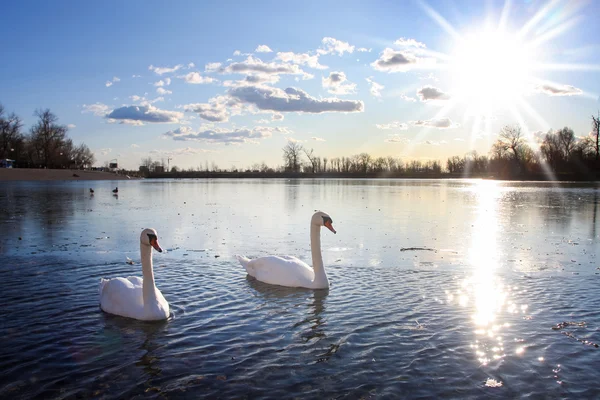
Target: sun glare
x=490, y=70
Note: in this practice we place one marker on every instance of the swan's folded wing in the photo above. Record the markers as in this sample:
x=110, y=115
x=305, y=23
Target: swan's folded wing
x=282, y=270
x=136, y=280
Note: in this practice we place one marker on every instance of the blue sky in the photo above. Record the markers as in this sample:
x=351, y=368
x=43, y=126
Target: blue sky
x=231, y=82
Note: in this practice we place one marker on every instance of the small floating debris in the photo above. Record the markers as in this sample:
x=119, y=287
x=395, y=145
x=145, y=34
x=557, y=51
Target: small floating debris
x=493, y=383
x=129, y=261
x=416, y=249
x=561, y=325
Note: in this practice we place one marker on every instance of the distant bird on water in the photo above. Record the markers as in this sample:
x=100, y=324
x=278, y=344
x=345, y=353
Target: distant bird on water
x=91, y=191
x=116, y=190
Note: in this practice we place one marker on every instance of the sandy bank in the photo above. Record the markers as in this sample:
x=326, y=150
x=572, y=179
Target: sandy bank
x=27, y=174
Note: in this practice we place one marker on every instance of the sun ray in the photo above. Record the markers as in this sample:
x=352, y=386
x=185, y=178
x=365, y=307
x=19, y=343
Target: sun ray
x=504, y=15
x=565, y=67
x=551, y=34
x=528, y=137
x=537, y=17
x=440, y=20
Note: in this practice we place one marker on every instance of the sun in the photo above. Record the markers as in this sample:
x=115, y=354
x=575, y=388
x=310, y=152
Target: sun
x=490, y=70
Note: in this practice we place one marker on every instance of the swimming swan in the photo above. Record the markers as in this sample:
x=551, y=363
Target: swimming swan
x=134, y=297
x=290, y=271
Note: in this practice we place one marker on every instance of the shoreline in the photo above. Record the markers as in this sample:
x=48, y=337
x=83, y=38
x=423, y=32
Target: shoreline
x=35, y=174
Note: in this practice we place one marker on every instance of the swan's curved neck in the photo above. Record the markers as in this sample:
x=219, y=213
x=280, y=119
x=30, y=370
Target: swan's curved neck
x=317, y=257
x=148, y=288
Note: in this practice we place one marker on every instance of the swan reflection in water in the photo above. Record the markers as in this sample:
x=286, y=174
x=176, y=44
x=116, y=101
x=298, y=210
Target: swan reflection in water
x=309, y=302
x=145, y=336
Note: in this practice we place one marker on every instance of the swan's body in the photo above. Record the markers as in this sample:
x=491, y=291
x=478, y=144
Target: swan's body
x=136, y=297
x=289, y=270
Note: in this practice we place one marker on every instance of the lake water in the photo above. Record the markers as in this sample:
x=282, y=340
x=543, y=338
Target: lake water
x=439, y=289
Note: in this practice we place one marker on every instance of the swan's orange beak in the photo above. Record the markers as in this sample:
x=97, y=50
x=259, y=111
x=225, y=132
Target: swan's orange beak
x=330, y=227
x=154, y=243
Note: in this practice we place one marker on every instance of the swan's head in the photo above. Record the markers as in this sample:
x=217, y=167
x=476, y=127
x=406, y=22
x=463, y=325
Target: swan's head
x=149, y=237
x=322, y=219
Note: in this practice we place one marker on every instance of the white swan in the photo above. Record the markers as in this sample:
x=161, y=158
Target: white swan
x=134, y=297
x=290, y=271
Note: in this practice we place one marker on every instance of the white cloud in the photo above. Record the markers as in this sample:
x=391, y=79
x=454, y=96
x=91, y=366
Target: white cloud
x=397, y=139
x=218, y=109
x=398, y=61
x=430, y=93
x=363, y=50
x=277, y=117
x=409, y=43
x=318, y=139
x=225, y=136
x=292, y=140
x=136, y=76
x=376, y=88
x=212, y=67
x=263, y=121
x=97, y=109
x=553, y=89
x=165, y=82
x=181, y=152
x=440, y=123
x=335, y=84
x=253, y=65
x=196, y=78
x=114, y=80
x=140, y=114
x=191, y=65
x=164, y=70
x=71, y=126
x=163, y=91
x=435, y=142
x=407, y=98
x=393, y=125
x=292, y=100
x=331, y=45
x=135, y=146
x=105, y=151
x=263, y=48
x=252, y=80
x=301, y=58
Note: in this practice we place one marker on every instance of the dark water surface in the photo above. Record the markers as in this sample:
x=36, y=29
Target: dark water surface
x=443, y=289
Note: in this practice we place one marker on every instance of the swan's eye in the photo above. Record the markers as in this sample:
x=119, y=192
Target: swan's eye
x=151, y=237
x=327, y=219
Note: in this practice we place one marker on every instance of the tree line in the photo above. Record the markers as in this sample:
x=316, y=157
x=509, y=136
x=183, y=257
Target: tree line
x=556, y=154
x=46, y=145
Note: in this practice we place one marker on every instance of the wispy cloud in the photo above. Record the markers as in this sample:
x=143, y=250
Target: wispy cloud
x=71, y=126
x=397, y=139
x=393, y=125
x=292, y=100
x=439, y=123
x=163, y=91
x=97, y=109
x=311, y=61
x=336, y=83
x=317, y=139
x=553, y=89
x=376, y=88
x=196, y=78
x=164, y=70
x=331, y=45
x=409, y=43
x=165, y=82
x=114, y=80
x=263, y=48
x=225, y=136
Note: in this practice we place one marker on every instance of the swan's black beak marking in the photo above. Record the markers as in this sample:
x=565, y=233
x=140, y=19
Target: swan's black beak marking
x=327, y=222
x=154, y=242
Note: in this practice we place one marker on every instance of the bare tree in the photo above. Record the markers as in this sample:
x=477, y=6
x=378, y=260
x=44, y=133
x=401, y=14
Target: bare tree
x=292, y=153
x=48, y=136
x=312, y=159
x=566, y=138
